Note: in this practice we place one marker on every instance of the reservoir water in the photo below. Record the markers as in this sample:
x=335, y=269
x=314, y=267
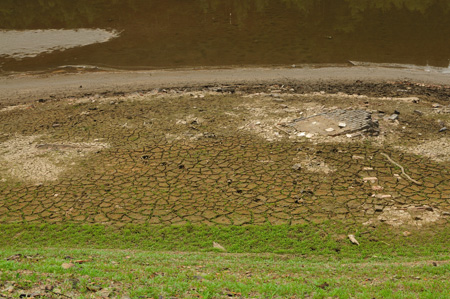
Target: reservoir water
x=149, y=34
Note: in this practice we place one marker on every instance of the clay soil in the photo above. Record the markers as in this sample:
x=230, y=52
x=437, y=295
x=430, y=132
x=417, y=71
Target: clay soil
x=220, y=154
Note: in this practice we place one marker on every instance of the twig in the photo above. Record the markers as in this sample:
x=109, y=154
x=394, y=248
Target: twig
x=59, y=294
x=403, y=170
x=282, y=130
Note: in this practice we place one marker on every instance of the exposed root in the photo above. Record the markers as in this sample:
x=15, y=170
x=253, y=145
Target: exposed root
x=403, y=170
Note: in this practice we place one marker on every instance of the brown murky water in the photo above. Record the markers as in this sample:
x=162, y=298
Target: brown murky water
x=189, y=33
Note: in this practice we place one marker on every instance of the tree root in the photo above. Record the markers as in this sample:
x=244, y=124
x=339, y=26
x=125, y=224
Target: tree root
x=403, y=170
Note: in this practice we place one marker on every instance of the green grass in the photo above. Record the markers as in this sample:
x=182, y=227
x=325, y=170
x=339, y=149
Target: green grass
x=329, y=238
x=222, y=275
x=144, y=261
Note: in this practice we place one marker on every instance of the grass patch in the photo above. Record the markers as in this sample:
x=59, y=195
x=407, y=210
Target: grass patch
x=144, y=261
x=144, y=274
x=328, y=238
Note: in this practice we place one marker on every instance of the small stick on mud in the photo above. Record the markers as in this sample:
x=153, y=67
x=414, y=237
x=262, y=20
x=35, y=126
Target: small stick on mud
x=403, y=170
x=282, y=130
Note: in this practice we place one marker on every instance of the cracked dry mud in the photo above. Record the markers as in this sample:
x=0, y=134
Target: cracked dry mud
x=225, y=157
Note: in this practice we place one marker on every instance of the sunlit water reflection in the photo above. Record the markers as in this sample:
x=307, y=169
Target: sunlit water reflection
x=30, y=43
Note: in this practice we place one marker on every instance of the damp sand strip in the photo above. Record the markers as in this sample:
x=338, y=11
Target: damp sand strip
x=19, y=44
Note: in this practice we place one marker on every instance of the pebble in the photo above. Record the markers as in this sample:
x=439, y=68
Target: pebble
x=370, y=179
x=329, y=130
x=296, y=167
x=443, y=129
x=379, y=208
x=393, y=117
x=342, y=125
x=381, y=196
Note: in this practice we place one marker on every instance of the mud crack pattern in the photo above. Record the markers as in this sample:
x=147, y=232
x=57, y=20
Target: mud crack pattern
x=180, y=159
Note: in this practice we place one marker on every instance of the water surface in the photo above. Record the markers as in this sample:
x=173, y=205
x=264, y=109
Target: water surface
x=190, y=33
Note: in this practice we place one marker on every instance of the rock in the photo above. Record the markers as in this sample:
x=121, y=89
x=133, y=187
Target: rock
x=379, y=208
x=353, y=239
x=393, y=117
x=297, y=166
x=309, y=135
x=381, y=196
x=372, y=178
x=406, y=233
x=67, y=265
x=436, y=105
x=218, y=246
x=301, y=134
x=418, y=112
x=353, y=120
x=443, y=129
x=329, y=130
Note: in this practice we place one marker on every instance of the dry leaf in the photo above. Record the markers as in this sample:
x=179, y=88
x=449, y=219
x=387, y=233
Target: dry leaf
x=67, y=265
x=353, y=239
x=218, y=246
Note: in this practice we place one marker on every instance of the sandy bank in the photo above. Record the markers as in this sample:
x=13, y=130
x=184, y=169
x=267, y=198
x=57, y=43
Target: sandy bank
x=28, y=87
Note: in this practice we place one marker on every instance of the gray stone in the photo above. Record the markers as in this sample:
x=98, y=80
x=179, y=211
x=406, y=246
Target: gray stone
x=393, y=117
x=379, y=208
x=341, y=121
x=296, y=167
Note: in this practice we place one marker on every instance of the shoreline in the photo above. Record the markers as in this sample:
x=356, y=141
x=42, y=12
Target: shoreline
x=25, y=88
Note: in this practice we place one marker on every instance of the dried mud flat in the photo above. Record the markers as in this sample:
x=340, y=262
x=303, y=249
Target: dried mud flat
x=235, y=154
